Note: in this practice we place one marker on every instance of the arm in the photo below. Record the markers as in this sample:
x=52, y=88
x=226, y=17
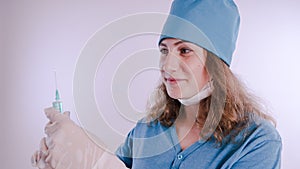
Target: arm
x=109, y=161
x=265, y=155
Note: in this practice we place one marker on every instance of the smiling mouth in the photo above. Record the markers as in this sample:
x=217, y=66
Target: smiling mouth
x=172, y=80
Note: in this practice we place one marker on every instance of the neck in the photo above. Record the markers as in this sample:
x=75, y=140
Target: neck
x=189, y=114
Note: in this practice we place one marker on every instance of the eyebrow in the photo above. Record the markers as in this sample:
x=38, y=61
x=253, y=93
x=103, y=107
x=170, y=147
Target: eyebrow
x=176, y=43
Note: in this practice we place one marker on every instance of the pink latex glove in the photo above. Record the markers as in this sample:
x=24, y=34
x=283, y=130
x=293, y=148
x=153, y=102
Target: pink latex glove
x=109, y=161
x=106, y=161
x=39, y=157
x=69, y=147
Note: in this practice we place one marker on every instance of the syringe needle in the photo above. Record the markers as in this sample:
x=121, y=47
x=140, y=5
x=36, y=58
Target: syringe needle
x=55, y=79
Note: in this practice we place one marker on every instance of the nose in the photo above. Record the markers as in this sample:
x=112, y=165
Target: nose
x=170, y=62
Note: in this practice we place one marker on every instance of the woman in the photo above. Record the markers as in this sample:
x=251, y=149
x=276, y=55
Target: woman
x=242, y=137
x=201, y=115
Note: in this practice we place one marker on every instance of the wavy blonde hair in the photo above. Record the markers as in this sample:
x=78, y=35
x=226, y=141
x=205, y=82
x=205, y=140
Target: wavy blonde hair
x=229, y=110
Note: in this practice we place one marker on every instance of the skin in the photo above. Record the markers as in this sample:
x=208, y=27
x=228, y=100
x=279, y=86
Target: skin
x=184, y=74
x=182, y=68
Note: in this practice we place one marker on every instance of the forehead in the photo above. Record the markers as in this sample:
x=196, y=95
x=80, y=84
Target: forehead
x=171, y=42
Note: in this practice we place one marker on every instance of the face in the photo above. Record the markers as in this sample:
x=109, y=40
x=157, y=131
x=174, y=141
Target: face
x=182, y=68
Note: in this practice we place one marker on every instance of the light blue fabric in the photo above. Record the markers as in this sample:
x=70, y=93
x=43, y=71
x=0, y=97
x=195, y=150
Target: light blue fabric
x=156, y=147
x=211, y=24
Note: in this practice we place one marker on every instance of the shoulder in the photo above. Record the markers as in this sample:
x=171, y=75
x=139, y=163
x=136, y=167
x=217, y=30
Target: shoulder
x=259, y=137
x=260, y=140
x=262, y=130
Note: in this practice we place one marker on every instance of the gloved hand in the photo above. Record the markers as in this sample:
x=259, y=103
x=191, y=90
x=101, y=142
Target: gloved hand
x=69, y=147
x=109, y=161
x=106, y=161
x=39, y=157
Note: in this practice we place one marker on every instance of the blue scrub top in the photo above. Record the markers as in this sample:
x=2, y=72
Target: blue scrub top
x=154, y=146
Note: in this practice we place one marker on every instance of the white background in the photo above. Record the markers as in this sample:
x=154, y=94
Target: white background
x=38, y=36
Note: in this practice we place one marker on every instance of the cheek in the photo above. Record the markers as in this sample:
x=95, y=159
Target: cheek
x=162, y=59
x=160, y=63
x=199, y=75
x=193, y=69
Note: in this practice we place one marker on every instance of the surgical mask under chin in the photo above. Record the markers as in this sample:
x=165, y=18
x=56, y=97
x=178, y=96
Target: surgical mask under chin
x=205, y=92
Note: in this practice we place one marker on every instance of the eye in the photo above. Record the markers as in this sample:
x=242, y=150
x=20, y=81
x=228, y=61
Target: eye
x=185, y=50
x=164, y=51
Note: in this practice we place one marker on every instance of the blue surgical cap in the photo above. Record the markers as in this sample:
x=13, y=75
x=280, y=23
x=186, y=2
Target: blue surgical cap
x=211, y=24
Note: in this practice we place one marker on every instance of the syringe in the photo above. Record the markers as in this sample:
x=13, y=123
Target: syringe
x=57, y=104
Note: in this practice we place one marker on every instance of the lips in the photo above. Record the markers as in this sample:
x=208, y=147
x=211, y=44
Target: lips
x=172, y=81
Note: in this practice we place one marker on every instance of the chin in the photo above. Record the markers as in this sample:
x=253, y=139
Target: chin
x=174, y=94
